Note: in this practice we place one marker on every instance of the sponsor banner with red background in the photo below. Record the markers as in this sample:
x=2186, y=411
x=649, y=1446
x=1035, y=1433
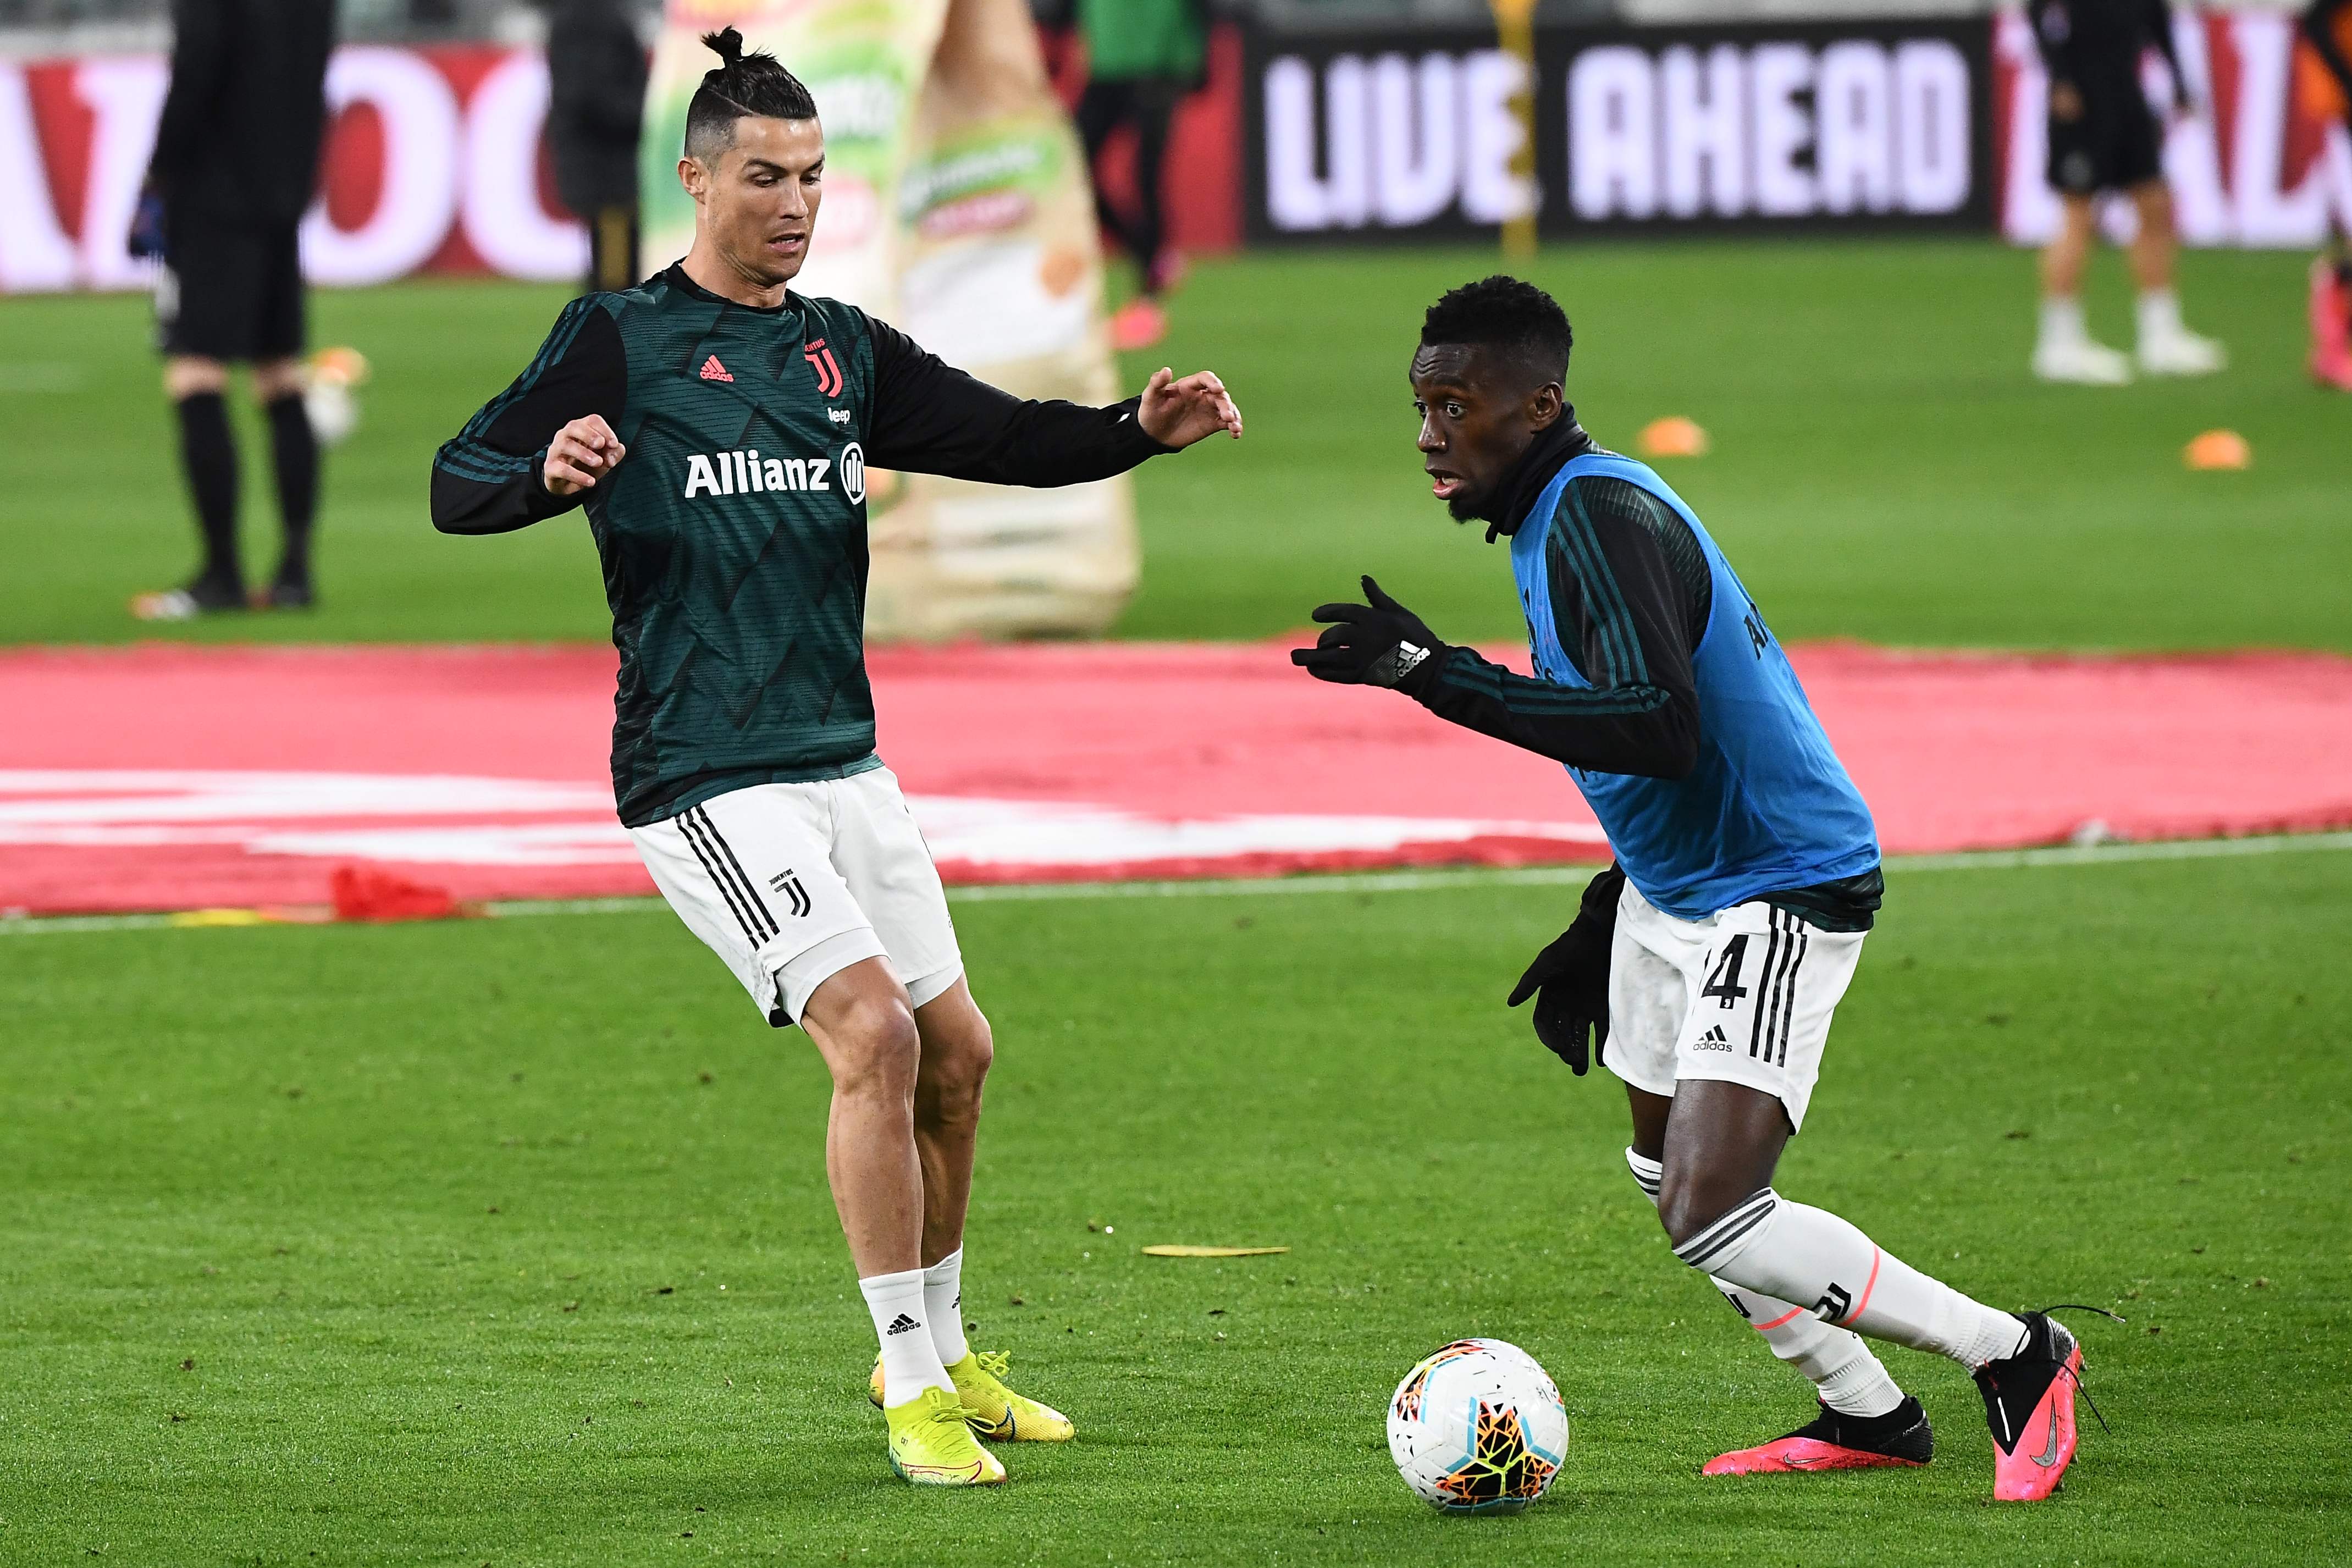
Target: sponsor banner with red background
x=2258, y=166
x=433, y=163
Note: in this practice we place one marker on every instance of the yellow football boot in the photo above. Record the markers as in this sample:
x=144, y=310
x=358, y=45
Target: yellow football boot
x=931, y=1443
x=995, y=1412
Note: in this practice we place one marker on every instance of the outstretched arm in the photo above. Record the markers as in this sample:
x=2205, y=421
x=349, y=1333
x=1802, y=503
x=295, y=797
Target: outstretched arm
x=540, y=446
x=931, y=418
x=2159, y=31
x=1628, y=617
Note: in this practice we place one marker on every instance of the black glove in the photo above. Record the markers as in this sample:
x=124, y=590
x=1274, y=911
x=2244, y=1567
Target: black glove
x=1570, y=979
x=1377, y=644
x=146, y=238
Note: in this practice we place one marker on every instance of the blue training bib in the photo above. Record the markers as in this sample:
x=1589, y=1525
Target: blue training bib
x=1769, y=805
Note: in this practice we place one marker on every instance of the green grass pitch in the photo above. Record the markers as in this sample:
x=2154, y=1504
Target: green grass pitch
x=509, y=1243
x=1883, y=468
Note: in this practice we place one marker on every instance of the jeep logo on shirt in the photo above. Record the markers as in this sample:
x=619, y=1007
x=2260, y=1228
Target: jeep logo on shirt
x=743, y=471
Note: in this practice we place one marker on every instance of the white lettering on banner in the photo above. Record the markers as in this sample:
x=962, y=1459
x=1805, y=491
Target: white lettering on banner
x=1397, y=141
x=2252, y=205
x=1705, y=118
x=1772, y=131
x=1612, y=134
x=1299, y=197
x=1932, y=146
x=2267, y=216
x=1783, y=189
x=1854, y=158
x=1492, y=137
x=124, y=95
x=2193, y=158
x=504, y=218
x=34, y=254
x=1415, y=121
x=419, y=190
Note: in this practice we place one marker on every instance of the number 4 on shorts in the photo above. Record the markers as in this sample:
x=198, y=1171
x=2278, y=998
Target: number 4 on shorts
x=1725, y=981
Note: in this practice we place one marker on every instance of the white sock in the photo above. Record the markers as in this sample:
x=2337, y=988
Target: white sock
x=2062, y=321
x=911, y=1362
x=2159, y=315
x=1841, y=1369
x=1799, y=1253
x=943, y=1303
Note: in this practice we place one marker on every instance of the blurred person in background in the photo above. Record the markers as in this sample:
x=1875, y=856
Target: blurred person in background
x=2104, y=136
x=597, y=66
x=2325, y=67
x=1143, y=59
x=235, y=163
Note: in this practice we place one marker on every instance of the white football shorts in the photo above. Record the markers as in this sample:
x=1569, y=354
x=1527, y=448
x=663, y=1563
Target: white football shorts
x=791, y=883
x=1745, y=997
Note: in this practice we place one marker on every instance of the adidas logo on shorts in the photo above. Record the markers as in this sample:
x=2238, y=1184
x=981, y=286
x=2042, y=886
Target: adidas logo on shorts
x=902, y=1324
x=1715, y=1039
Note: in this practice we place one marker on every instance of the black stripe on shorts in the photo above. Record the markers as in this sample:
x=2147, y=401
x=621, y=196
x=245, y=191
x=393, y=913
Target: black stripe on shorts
x=702, y=836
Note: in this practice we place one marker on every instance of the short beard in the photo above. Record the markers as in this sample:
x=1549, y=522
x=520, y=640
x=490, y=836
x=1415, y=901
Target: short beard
x=1464, y=507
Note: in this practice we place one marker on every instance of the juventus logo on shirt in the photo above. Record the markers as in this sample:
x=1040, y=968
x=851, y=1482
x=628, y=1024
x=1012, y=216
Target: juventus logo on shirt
x=829, y=372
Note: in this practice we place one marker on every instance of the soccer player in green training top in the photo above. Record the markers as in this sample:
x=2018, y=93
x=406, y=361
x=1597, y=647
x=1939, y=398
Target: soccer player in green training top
x=717, y=428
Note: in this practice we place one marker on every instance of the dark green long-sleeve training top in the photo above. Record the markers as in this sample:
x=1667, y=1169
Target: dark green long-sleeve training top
x=733, y=531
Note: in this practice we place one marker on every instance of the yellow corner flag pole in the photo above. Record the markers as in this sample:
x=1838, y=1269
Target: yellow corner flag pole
x=1515, y=25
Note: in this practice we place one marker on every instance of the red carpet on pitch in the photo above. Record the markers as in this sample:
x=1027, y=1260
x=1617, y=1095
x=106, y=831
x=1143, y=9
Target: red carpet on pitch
x=169, y=777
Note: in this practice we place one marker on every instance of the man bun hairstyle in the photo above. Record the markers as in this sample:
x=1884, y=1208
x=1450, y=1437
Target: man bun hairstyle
x=1507, y=314
x=756, y=84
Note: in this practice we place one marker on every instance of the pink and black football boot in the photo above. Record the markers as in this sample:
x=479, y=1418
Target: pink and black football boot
x=2029, y=1406
x=1900, y=1439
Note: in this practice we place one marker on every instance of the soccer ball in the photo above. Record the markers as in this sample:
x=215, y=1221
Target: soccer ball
x=1477, y=1427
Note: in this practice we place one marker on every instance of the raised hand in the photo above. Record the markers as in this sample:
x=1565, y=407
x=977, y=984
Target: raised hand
x=1374, y=644
x=1179, y=413
x=581, y=454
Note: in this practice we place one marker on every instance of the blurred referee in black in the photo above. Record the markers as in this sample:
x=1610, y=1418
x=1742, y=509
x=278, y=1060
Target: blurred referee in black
x=2104, y=138
x=236, y=161
x=596, y=70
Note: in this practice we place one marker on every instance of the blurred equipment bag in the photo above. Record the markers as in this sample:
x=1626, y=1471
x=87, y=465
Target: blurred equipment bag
x=956, y=208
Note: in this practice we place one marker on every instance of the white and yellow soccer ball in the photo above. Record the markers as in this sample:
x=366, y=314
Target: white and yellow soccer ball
x=1478, y=1428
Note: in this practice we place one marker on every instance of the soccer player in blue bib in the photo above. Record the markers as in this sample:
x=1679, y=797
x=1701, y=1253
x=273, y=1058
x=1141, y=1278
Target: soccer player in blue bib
x=1705, y=964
